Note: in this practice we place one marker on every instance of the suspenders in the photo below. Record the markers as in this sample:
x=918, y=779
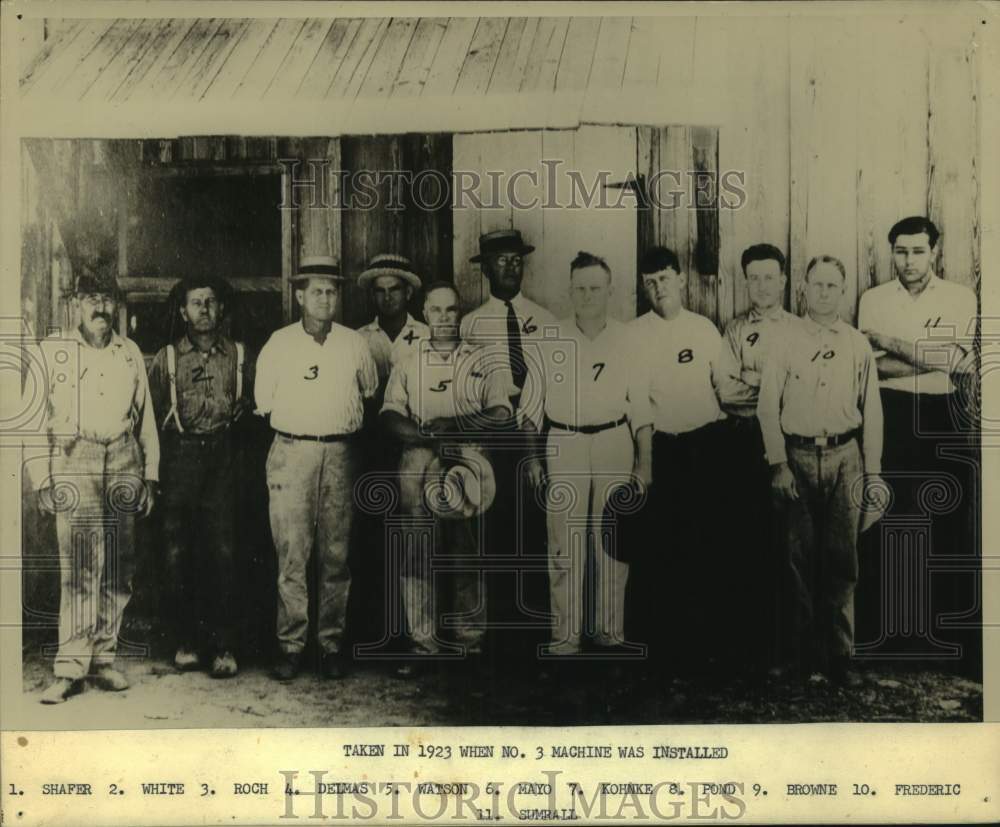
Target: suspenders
x=172, y=377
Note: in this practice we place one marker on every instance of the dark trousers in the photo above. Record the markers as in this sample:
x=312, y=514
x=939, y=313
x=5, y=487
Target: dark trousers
x=674, y=592
x=754, y=574
x=515, y=531
x=198, y=498
x=919, y=595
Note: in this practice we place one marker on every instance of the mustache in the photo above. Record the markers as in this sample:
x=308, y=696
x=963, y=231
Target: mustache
x=105, y=316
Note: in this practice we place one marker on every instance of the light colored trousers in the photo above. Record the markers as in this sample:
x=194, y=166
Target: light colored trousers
x=97, y=489
x=582, y=470
x=311, y=505
x=822, y=535
x=434, y=597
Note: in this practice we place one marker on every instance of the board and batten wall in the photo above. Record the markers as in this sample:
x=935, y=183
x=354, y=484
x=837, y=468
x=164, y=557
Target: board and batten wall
x=841, y=126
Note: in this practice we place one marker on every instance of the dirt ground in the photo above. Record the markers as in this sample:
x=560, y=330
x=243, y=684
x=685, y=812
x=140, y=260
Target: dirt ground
x=591, y=693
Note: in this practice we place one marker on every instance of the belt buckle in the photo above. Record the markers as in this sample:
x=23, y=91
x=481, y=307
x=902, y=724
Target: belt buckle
x=822, y=441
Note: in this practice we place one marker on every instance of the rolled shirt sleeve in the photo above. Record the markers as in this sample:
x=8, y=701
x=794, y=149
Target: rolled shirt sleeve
x=772, y=386
x=870, y=406
x=397, y=397
x=640, y=408
x=149, y=439
x=265, y=380
x=726, y=376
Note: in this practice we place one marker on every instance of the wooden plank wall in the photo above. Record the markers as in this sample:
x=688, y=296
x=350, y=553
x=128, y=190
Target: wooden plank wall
x=557, y=233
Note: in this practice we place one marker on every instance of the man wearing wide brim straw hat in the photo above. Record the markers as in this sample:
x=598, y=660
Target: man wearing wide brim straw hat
x=440, y=404
x=393, y=334
x=313, y=378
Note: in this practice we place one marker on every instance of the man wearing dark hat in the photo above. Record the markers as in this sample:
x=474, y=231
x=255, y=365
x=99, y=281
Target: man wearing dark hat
x=199, y=388
x=102, y=470
x=313, y=378
x=439, y=403
x=393, y=334
x=508, y=326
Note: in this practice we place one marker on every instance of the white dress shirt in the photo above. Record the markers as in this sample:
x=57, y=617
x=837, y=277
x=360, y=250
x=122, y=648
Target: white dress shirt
x=943, y=311
x=314, y=389
x=682, y=355
x=387, y=352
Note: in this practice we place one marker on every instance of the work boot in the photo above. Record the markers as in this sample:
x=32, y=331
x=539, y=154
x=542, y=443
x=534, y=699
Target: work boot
x=60, y=689
x=334, y=666
x=224, y=666
x=286, y=667
x=110, y=679
x=186, y=659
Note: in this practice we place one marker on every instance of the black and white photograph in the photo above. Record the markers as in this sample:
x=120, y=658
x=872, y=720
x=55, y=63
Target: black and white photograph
x=495, y=368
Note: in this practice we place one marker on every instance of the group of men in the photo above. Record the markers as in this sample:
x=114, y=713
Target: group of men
x=782, y=414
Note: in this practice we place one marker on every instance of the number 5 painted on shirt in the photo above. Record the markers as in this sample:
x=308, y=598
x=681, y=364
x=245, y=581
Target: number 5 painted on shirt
x=598, y=368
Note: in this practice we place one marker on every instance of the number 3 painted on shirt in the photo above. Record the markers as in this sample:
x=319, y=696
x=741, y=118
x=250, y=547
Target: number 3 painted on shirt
x=598, y=368
x=313, y=372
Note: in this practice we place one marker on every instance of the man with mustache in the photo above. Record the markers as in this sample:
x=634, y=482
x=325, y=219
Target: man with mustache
x=921, y=327
x=313, y=378
x=509, y=326
x=102, y=471
x=199, y=389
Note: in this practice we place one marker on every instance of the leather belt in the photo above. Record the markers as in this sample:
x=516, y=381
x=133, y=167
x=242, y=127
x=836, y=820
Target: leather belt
x=312, y=438
x=821, y=441
x=589, y=429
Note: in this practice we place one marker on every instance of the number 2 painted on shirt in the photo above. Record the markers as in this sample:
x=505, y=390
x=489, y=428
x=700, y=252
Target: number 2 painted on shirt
x=198, y=374
x=312, y=373
x=598, y=369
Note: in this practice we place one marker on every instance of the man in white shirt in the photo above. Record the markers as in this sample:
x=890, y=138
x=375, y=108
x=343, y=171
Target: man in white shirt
x=440, y=401
x=312, y=379
x=749, y=340
x=922, y=329
x=509, y=326
x=684, y=356
x=594, y=394
x=821, y=418
x=393, y=334
x=101, y=472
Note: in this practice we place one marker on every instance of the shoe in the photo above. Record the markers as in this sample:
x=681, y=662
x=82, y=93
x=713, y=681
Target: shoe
x=60, y=689
x=110, y=679
x=224, y=666
x=334, y=666
x=186, y=659
x=287, y=667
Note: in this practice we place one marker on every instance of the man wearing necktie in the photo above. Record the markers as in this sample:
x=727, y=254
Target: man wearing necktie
x=506, y=325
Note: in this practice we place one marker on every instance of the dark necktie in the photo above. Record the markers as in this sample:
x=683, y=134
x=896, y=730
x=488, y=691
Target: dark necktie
x=514, y=349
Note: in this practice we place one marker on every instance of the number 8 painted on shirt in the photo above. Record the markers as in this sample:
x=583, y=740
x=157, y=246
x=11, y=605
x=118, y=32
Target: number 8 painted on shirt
x=685, y=355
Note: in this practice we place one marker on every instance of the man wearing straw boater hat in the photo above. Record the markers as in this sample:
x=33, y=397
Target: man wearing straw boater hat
x=439, y=404
x=393, y=334
x=199, y=388
x=312, y=379
x=99, y=474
